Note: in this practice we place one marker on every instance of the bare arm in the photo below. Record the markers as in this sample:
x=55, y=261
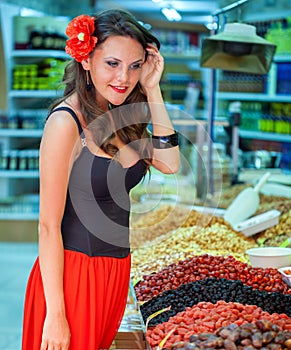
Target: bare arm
x=56, y=148
x=165, y=160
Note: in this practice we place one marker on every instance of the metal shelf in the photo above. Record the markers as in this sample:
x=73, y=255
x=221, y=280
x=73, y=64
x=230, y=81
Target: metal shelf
x=181, y=57
x=21, y=133
x=40, y=53
x=18, y=216
x=282, y=58
x=34, y=93
x=268, y=136
x=198, y=122
x=19, y=174
x=241, y=96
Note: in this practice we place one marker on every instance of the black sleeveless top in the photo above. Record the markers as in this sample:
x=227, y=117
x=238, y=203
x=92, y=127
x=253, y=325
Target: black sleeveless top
x=96, y=216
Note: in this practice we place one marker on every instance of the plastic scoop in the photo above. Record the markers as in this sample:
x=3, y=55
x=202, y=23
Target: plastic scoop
x=246, y=203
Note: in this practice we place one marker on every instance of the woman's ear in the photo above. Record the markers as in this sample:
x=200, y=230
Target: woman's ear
x=85, y=64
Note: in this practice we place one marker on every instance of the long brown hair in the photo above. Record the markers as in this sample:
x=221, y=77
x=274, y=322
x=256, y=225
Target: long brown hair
x=132, y=121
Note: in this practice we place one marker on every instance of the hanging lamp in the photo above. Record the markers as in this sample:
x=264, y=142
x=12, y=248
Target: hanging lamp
x=238, y=48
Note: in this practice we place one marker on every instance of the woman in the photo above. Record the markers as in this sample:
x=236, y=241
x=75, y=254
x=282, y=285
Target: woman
x=95, y=148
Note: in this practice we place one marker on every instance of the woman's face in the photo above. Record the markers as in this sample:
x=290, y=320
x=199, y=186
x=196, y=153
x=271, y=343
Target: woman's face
x=115, y=68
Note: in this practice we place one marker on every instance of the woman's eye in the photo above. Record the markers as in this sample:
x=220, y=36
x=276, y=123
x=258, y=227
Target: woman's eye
x=112, y=63
x=136, y=65
x=133, y=66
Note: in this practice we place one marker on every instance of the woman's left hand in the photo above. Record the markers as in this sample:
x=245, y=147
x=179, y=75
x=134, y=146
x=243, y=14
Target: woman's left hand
x=152, y=68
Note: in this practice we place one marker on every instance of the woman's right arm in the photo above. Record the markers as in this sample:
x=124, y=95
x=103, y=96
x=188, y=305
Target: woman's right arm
x=56, y=150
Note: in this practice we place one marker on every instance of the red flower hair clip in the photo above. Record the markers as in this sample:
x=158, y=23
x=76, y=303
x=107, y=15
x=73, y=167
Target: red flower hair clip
x=81, y=42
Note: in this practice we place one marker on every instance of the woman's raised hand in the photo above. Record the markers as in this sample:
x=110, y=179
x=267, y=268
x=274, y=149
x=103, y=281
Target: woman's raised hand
x=152, y=69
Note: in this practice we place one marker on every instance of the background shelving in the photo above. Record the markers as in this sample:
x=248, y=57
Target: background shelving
x=32, y=82
x=265, y=113
x=180, y=71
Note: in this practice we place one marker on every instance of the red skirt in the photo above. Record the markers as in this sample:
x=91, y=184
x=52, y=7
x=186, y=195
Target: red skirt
x=95, y=289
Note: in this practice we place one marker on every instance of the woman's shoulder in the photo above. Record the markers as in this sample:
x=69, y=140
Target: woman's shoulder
x=61, y=125
x=61, y=130
x=59, y=118
x=66, y=114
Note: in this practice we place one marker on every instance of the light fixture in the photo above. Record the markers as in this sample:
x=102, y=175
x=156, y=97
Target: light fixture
x=211, y=26
x=238, y=48
x=171, y=14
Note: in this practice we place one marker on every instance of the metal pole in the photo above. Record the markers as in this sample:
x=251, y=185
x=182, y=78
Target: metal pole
x=211, y=107
x=209, y=174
